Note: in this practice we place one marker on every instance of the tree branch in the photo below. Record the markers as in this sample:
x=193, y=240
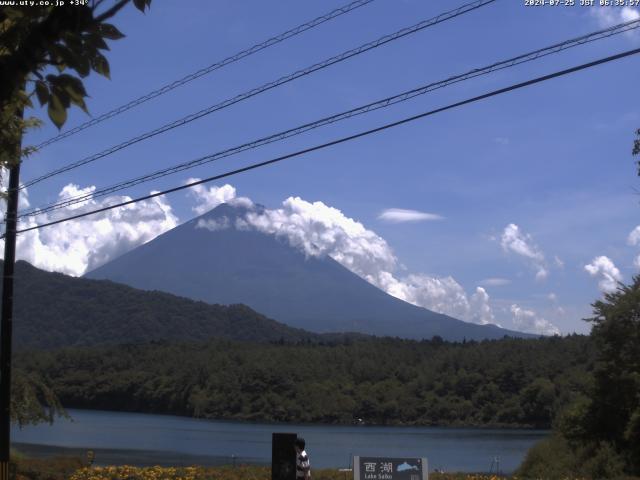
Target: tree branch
x=111, y=12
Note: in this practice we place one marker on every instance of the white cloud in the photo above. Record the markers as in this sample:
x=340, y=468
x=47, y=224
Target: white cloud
x=214, y=224
x=558, y=262
x=208, y=198
x=318, y=229
x=529, y=321
x=634, y=239
x=515, y=241
x=480, y=307
x=610, y=275
x=494, y=282
x=399, y=215
x=610, y=16
x=634, y=236
x=79, y=246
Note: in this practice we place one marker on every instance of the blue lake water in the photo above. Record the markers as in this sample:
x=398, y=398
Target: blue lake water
x=143, y=439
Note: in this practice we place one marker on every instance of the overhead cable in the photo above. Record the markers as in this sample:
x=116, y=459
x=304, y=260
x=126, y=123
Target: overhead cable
x=268, y=86
x=379, y=104
x=206, y=70
x=413, y=118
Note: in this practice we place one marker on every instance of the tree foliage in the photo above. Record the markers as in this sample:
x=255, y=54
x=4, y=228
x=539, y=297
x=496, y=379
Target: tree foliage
x=614, y=412
x=45, y=52
x=32, y=399
x=510, y=382
x=598, y=435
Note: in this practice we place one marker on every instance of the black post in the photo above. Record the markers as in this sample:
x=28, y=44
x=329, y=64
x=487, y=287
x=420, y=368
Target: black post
x=6, y=324
x=283, y=456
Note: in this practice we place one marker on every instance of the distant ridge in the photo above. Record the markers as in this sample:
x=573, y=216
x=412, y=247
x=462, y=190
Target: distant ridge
x=54, y=310
x=227, y=265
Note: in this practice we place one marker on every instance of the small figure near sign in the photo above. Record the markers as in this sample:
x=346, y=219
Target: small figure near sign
x=384, y=468
x=303, y=465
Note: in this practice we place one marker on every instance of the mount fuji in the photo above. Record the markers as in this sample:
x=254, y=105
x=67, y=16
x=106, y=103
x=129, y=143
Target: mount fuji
x=212, y=259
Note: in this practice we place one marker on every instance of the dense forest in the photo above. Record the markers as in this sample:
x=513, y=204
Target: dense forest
x=509, y=382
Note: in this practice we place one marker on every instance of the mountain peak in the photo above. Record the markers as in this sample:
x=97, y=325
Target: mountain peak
x=227, y=215
x=219, y=258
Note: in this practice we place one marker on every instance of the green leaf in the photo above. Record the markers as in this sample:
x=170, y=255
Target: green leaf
x=82, y=66
x=95, y=41
x=62, y=95
x=75, y=90
x=101, y=65
x=109, y=31
x=57, y=112
x=25, y=98
x=74, y=43
x=42, y=92
x=142, y=4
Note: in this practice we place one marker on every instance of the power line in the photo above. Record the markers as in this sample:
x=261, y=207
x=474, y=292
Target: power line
x=527, y=57
x=211, y=68
x=346, y=139
x=268, y=86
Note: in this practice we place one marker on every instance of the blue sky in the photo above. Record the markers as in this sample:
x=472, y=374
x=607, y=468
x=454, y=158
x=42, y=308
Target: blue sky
x=532, y=186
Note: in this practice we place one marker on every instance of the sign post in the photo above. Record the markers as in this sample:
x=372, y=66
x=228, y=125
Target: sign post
x=387, y=468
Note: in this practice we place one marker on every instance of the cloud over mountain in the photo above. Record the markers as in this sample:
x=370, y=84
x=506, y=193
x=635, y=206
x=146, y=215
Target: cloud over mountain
x=78, y=246
x=528, y=321
x=313, y=227
x=319, y=229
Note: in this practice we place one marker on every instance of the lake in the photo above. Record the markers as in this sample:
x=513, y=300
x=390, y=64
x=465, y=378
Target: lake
x=143, y=439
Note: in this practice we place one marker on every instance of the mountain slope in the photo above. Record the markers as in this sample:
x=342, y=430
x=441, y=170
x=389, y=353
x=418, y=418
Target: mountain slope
x=231, y=265
x=54, y=310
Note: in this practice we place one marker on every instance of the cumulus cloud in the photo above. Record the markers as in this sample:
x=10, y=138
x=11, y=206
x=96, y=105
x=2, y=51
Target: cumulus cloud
x=213, y=224
x=480, y=308
x=610, y=16
x=208, y=198
x=634, y=239
x=609, y=274
x=494, y=282
x=399, y=215
x=79, y=246
x=515, y=241
x=529, y=321
x=318, y=229
x=634, y=236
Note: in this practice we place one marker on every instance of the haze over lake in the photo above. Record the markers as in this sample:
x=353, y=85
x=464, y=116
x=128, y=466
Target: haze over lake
x=157, y=439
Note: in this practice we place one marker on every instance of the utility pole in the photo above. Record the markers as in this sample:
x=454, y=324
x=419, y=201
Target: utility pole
x=6, y=324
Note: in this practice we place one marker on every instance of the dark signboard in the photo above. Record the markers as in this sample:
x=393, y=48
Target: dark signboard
x=283, y=456
x=386, y=468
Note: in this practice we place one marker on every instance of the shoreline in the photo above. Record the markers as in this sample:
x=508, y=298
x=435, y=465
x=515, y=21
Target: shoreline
x=237, y=421
x=138, y=458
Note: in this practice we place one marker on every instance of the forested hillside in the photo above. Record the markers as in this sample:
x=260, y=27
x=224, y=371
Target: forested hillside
x=510, y=382
x=55, y=310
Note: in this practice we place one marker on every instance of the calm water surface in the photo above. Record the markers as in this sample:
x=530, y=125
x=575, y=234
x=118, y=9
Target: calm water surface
x=167, y=440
